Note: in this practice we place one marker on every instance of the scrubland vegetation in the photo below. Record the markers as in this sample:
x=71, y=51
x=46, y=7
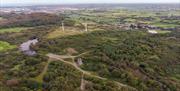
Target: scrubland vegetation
x=116, y=58
x=125, y=56
x=5, y=46
x=9, y=30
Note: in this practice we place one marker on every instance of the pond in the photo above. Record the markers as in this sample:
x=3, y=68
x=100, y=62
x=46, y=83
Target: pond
x=25, y=47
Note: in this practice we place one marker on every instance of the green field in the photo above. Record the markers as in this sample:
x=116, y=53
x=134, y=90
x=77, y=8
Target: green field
x=163, y=31
x=5, y=46
x=17, y=29
x=60, y=33
x=165, y=25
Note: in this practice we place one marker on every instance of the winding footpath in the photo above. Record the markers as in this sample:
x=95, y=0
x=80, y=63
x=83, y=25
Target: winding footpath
x=61, y=58
x=54, y=57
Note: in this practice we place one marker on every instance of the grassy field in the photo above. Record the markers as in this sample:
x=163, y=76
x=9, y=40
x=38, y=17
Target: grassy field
x=17, y=29
x=165, y=25
x=60, y=33
x=163, y=31
x=5, y=46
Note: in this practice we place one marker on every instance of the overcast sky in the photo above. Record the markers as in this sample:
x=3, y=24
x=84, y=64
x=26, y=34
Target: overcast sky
x=26, y=2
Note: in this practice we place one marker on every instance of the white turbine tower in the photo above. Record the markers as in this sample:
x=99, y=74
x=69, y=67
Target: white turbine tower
x=86, y=27
x=63, y=25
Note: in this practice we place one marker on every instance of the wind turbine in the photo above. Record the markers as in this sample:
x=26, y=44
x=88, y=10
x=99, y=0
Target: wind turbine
x=85, y=26
x=63, y=25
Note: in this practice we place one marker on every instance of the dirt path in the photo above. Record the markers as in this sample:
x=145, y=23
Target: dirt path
x=57, y=57
x=39, y=78
x=60, y=58
x=82, y=87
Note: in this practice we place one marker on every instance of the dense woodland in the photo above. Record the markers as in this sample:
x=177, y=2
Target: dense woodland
x=135, y=58
x=29, y=20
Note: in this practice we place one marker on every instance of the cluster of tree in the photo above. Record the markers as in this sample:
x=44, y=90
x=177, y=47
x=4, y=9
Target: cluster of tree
x=29, y=20
x=95, y=84
x=18, y=69
x=20, y=37
x=61, y=77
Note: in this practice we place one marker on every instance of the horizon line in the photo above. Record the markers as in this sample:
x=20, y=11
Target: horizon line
x=53, y=4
